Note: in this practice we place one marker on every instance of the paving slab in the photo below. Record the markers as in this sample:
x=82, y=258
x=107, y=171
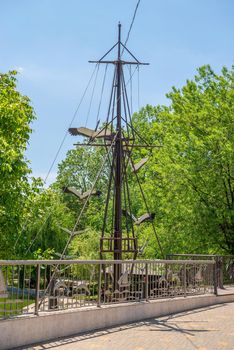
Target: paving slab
x=226, y=290
x=209, y=328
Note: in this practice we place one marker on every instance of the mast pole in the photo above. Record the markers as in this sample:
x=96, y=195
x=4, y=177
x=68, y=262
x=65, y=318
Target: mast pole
x=118, y=166
x=121, y=244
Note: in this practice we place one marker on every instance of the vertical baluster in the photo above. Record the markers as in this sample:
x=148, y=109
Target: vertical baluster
x=5, y=300
x=12, y=288
x=215, y=278
x=146, y=282
x=17, y=288
x=23, y=284
x=37, y=296
x=99, y=284
x=29, y=287
x=185, y=281
x=76, y=283
x=71, y=289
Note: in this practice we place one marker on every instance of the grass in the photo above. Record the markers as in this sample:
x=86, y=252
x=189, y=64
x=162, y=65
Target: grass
x=13, y=305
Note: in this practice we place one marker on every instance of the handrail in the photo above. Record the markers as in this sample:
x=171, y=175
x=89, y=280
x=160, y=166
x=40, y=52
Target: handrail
x=202, y=255
x=224, y=265
x=34, y=286
x=97, y=262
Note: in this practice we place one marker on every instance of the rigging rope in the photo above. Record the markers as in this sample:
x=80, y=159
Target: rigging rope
x=138, y=86
x=87, y=199
x=78, y=219
x=126, y=84
x=91, y=100
x=130, y=71
x=147, y=208
x=41, y=227
x=48, y=216
x=55, y=158
x=32, y=242
x=100, y=102
x=131, y=25
x=72, y=120
x=125, y=43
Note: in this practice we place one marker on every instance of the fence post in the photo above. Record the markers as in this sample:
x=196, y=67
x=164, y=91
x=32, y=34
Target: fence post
x=185, y=282
x=221, y=272
x=37, y=296
x=215, y=278
x=146, y=282
x=99, y=285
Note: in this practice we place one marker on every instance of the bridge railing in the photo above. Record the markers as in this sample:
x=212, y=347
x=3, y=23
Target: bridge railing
x=224, y=266
x=37, y=286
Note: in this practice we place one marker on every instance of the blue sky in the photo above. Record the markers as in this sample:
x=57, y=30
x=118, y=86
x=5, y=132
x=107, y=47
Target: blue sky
x=51, y=41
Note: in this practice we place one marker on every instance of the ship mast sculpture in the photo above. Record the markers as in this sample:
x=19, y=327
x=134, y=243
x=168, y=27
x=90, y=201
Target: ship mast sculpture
x=118, y=136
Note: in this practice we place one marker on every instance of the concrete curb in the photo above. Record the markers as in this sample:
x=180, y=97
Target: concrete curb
x=48, y=326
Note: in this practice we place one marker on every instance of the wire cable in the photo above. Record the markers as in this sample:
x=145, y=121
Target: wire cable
x=72, y=120
x=131, y=25
x=78, y=220
x=92, y=95
x=147, y=208
x=130, y=72
x=74, y=116
x=100, y=102
x=138, y=86
x=56, y=156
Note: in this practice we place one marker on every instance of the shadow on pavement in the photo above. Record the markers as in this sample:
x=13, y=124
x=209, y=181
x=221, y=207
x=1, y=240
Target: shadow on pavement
x=161, y=324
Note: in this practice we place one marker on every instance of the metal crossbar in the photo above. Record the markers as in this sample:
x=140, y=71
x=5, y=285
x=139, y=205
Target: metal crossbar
x=81, y=262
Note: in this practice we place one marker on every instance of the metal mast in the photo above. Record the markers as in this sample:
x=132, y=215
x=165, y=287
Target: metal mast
x=121, y=139
x=118, y=155
x=119, y=134
x=116, y=243
x=118, y=138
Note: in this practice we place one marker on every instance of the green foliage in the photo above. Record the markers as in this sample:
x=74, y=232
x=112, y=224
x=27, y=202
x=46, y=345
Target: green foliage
x=16, y=114
x=79, y=170
x=187, y=181
x=45, y=219
x=47, y=254
x=192, y=173
x=86, y=246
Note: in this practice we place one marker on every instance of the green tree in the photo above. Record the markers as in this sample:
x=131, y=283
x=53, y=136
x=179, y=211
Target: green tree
x=79, y=169
x=46, y=218
x=16, y=114
x=192, y=173
x=188, y=181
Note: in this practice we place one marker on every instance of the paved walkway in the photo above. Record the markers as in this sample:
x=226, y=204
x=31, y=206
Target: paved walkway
x=226, y=290
x=210, y=328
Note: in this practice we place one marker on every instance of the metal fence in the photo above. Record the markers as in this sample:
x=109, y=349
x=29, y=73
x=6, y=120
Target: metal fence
x=224, y=266
x=35, y=286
